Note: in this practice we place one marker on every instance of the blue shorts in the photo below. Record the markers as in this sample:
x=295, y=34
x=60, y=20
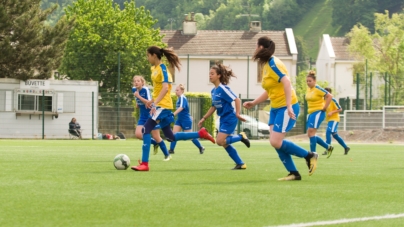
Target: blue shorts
x=163, y=117
x=184, y=124
x=314, y=119
x=332, y=126
x=142, y=121
x=228, y=125
x=279, y=118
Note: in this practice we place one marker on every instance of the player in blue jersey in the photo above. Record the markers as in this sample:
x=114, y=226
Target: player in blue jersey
x=142, y=95
x=222, y=98
x=284, y=108
x=184, y=119
x=332, y=117
x=161, y=104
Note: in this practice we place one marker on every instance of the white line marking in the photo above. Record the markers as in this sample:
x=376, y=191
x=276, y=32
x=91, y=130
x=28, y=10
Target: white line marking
x=387, y=216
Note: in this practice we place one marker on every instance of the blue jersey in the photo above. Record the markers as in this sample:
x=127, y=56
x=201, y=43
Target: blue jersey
x=222, y=97
x=183, y=102
x=144, y=93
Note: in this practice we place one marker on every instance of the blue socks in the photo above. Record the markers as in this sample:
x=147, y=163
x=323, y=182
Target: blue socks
x=321, y=142
x=292, y=149
x=233, y=139
x=233, y=154
x=286, y=160
x=186, y=135
x=164, y=148
x=153, y=141
x=172, y=145
x=313, y=143
x=197, y=143
x=328, y=137
x=146, y=147
x=340, y=140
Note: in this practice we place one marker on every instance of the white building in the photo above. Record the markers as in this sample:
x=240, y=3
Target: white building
x=21, y=107
x=198, y=51
x=335, y=65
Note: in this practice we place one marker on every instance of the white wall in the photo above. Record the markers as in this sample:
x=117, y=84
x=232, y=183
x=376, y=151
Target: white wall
x=245, y=84
x=25, y=127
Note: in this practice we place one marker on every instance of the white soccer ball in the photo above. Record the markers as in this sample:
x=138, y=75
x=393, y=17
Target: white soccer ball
x=121, y=162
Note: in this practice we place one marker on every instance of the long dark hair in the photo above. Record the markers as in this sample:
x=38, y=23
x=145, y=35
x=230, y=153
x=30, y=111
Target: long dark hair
x=171, y=56
x=225, y=72
x=263, y=55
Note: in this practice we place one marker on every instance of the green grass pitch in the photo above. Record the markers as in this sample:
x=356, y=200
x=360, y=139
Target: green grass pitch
x=74, y=183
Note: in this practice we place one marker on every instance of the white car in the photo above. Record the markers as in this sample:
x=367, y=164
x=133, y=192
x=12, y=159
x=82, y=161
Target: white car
x=252, y=127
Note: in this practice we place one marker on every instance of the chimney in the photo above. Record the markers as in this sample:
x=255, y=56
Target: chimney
x=255, y=26
x=189, y=25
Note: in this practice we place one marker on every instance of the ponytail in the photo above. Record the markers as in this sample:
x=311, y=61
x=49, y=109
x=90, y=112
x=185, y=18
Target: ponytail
x=171, y=56
x=263, y=55
x=225, y=73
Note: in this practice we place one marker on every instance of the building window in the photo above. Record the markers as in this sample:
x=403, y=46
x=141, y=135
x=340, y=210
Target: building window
x=171, y=69
x=34, y=103
x=259, y=72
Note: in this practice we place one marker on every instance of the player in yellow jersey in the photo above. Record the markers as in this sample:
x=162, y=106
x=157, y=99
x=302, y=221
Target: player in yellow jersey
x=284, y=108
x=332, y=117
x=315, y=97
x=161, y=104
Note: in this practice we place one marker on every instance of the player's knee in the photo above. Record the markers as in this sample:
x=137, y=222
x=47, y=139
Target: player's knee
x=139, y=135
x=276, y=143
x=221, y=142
x=335, y=135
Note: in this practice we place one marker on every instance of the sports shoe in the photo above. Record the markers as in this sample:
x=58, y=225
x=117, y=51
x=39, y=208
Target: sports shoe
x=347, y=150
x=290, y=177
x=312, y=163
x=201, y=150
x=244, y=139
x=156, y=148
x=170, y=151
x=240, y=166
x=325, y=152
x=329, y=151
x=167, y=158
x=204, y=134
x=143, y=166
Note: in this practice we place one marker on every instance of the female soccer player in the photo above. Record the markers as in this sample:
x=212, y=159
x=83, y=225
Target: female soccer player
x=284, y=109
x=161, y=104
x=222, y=97
x=184, y=119
x=332, y=117
x=315, y=96
x=142, y=95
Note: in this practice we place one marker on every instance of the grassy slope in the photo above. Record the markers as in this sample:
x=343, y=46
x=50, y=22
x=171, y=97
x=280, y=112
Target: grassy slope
x=315, y=23
x=73, y=183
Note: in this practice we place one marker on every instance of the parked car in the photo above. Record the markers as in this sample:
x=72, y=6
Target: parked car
x=252, y=127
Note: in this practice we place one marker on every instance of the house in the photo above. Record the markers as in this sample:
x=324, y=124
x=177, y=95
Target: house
x=199, y=50
x=335, y=65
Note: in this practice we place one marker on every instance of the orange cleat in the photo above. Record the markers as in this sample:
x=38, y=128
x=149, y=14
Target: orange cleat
x=204, y=134
x=143, y=166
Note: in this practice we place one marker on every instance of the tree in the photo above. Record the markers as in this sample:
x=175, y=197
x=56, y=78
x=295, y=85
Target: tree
x=102, y=31
x=384, y=49
x=29, y=48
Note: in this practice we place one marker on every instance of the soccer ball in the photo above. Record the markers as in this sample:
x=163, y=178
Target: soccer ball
x=121, y=162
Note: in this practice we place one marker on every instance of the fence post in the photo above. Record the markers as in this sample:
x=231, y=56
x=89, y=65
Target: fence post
x=389, y=89
x=385, y=88
x=92, y=116
x=238, y=122
x=43, y=114
x=357, y=91
x=366, y=85
x=305, y=117
x=248, y=77
x=370, y=86
x=187, y=73
x=119, y=92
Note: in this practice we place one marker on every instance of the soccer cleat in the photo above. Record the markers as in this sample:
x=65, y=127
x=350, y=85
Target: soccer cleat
x=171, y=151
x=240, y=166
x=201, y=150
x=312, y=163
x=204, y=134
x=244, y=139
x=155, y=148
x=167, y=158
x=325, y=152
x=347, y=150
x=329, y=151
x=290, y=177
x=143, y=166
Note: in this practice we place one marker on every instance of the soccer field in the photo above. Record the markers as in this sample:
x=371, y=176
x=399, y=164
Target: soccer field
x=74, y=183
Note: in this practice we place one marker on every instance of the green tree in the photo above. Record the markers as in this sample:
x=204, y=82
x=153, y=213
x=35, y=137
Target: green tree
x=102, y=30
x=384, y=49
x=29, y=48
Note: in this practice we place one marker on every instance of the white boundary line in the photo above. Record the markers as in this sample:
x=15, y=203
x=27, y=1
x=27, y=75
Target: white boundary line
x=387, y=216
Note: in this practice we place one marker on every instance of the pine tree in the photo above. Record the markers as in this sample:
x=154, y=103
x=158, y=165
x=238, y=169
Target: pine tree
x=28, y=47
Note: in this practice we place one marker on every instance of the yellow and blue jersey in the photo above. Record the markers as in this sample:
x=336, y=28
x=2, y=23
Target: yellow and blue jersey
x=315, y=98
x=272, y=73
x=161, y=75
x=334, y=105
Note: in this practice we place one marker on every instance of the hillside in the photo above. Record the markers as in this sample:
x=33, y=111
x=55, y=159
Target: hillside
x=316, y=22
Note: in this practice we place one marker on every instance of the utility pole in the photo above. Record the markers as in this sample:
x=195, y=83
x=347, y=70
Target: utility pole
x=171, y=20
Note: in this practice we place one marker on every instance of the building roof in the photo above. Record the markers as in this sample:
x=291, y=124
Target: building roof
x=340, y=46
x=220, y=42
